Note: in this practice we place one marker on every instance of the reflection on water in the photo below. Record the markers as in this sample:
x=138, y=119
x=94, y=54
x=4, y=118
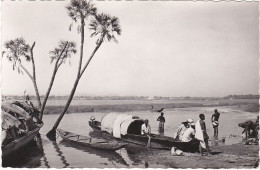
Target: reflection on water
x=39, y=143
x=60, y=154
x=110, y=155
x=23, y=158
x=214, y=141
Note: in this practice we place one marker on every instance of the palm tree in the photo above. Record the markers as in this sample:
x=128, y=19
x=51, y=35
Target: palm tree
x=60, y=54
x=103, y=26
x=18, y=49
x=79, y=11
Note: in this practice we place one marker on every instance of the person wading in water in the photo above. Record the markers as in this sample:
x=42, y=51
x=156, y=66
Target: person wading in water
x=215, y=122
x=161, y=120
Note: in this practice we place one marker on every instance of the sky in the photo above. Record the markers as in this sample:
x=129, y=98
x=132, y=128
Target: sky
x=203, y=49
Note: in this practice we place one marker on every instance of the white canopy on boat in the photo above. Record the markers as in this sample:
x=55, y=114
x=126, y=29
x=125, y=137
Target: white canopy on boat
x=125, y=125
x=107, y=122
x=116, y=124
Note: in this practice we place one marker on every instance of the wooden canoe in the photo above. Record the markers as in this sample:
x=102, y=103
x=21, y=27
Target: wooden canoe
x=90, y=142
x=18, y=144
x=157, y=141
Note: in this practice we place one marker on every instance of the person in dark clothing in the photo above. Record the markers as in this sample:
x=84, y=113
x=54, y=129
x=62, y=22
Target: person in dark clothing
x=248, y=126
x=215, y=122
x=161, y=120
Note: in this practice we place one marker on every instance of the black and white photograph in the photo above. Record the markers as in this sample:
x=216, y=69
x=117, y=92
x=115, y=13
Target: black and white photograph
x=130, y=84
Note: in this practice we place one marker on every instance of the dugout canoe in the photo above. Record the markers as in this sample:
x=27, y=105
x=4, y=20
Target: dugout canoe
x=18, y=144
x=157, y=141
x=18, y=129
x=90, y=142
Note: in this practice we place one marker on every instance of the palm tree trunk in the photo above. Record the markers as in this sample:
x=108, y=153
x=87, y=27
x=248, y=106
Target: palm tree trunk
x=48, y=92
x=92, y=55
x=26, y=71
x=51, y=82
x=52, y=133
x=37, y=94
x=34, y=78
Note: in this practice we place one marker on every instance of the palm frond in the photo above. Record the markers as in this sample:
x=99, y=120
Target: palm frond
x=64, y=51
x=16, y=50
x=80, y=8
x=105, y=26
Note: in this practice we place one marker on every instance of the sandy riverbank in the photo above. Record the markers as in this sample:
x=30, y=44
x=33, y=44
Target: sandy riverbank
x=232, y=156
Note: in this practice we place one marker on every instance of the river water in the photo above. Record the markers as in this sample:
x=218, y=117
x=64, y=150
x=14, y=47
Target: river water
x=61, y=154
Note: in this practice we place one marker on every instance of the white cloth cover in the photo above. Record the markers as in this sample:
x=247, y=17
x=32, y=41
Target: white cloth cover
x=199, y=134
x=111, y=123
x=124, y=126
x=107, y=122
x=117, y=124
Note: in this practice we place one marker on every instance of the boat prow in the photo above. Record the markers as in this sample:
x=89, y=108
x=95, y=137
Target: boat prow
x=19, y=143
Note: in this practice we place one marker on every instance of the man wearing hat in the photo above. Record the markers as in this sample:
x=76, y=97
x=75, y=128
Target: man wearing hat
x=180, y=131
x=189, y=133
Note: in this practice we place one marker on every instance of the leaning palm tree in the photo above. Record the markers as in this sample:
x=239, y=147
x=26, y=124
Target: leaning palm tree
x=79, y=11
x=105, y=27
x=18, y=50
x=60, y=54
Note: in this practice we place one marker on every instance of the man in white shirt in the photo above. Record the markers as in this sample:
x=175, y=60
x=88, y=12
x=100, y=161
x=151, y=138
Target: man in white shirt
x=189, y=133
x=146, y=130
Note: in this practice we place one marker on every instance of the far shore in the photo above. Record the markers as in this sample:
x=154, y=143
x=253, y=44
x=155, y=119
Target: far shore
x=249, y=105
x=55, y=106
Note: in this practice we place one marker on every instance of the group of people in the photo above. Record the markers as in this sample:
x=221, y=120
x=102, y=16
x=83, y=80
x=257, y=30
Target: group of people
x=188, y=130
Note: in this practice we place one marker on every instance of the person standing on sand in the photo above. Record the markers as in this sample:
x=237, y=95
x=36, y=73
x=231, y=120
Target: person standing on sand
x=161, y=120
x=201, y=134
x=215, y=122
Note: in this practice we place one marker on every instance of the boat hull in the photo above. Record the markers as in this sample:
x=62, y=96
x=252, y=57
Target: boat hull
x=157, y=141
x=90, y=142
x=20, y=143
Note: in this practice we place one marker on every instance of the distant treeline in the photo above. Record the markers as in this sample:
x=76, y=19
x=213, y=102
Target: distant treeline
x=249, y=96
x=84, y=97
